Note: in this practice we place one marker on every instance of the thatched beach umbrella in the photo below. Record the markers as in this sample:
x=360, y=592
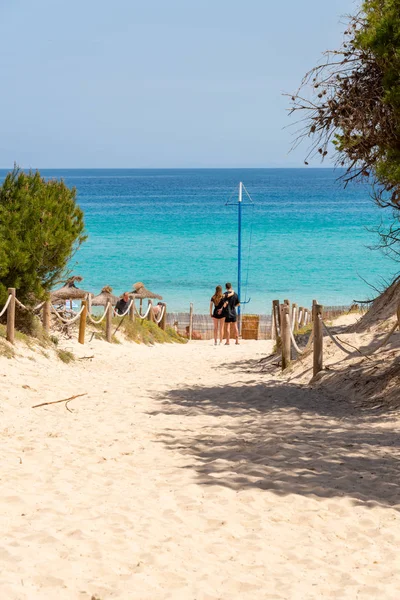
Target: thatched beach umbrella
x=105, y=297
x=69, y=291
x=140, y=292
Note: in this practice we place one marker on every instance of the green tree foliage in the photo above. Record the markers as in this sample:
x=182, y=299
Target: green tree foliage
x=41, y=227
x=350, y=107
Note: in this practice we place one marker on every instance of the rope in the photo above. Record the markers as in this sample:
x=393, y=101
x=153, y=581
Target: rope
x=161, y=315
x=294, y=312
x=146, y=313
x=127, y=310
x=380, y=345
x=68, y=321
x=89, y=316
x=338, y=344
x=21, y=305
x=306, y=348
x=5, y=306
x=38, y=307
x=384, y=341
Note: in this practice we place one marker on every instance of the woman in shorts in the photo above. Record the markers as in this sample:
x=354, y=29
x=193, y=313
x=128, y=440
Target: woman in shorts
x=217, y=312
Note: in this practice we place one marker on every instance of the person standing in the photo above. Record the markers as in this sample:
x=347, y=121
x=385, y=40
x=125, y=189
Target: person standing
x=218, y=314
x=231, y=302
x=122, y=304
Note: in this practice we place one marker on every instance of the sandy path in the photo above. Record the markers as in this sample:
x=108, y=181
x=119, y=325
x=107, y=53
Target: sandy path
x=184, y=474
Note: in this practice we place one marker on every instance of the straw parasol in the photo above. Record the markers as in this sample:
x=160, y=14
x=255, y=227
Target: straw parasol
x=105, y=297
x=69, y=291
x=140, y=292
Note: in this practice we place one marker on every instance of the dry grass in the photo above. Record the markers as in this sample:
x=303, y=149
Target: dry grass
x=140, y=332
x=6, y=349
x=146, y=332
x=65, y=355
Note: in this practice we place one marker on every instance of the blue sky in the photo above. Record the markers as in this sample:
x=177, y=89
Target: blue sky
x=158, y=83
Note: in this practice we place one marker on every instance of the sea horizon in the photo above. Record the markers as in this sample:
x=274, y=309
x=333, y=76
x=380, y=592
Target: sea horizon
x=305, y=236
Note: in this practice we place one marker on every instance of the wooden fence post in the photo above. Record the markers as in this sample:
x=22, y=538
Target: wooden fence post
x=82, y=323
x=314, y=302
x=163, y=323
x=285, y=336
x=150, y=316
x=140, y=307
x=273, y=324
x=398, y=316
x=191, y=321
x=318, y=339
x=131, y=316
x=109, y=317
x=303, y=317
x=277, y=317
x=10, y=335
x=46, y=316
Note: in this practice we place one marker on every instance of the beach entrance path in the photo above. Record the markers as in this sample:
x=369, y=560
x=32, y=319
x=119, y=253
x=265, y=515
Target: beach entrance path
x=184, y=473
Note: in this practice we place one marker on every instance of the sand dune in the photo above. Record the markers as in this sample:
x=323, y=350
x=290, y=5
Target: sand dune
x=184, y=473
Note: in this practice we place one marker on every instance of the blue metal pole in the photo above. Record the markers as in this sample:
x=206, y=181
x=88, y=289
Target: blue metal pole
x=239, y=249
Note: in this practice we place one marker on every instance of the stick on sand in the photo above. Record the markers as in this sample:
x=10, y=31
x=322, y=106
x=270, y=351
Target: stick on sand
x=57, y=401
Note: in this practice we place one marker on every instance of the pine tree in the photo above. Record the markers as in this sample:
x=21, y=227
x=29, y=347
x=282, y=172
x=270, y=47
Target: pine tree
x=349, y=106
x=41, y=227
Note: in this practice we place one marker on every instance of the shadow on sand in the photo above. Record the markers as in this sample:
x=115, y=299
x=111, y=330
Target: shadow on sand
x=284, y=438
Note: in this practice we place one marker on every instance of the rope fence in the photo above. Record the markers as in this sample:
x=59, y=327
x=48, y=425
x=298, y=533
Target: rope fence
x=6, y=305
x=82, y=315
x=287, y=321
x=98, y=321
x=67, y=321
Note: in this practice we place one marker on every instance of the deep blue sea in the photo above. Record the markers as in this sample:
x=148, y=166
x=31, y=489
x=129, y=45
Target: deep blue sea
x=304, y=237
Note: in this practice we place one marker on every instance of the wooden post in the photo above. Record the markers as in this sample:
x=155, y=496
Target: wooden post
x=191, y=321
x=131, y=315
x=277, y=317
x=295, y=317
x=151, y=317
x=273, y=324
x=306, y=316
x=303, y=317
x=285, y=336
x=314, y=302
x=398, y=316
x=82, y=323
x=318, y=339
x=46, y=316
x=10, y=335
x=163, y=323
x=109, y=317
x=140, y=307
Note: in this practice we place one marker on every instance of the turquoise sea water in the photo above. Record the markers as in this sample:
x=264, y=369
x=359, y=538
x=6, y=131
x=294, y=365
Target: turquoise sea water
x=170, y=228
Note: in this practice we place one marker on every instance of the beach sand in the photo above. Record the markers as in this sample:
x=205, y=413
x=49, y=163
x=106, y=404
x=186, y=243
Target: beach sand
x=184, y=473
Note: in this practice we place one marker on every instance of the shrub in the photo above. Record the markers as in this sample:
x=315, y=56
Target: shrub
x=41, y=227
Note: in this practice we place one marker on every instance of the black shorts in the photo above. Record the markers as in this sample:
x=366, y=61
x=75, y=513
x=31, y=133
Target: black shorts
x=230, y=320
x=218, y=316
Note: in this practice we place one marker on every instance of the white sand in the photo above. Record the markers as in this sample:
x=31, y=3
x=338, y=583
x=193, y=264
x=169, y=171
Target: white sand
x=186, y=474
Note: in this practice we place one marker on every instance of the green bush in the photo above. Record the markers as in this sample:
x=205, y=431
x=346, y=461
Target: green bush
x=41, y=227
x=65, y=355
